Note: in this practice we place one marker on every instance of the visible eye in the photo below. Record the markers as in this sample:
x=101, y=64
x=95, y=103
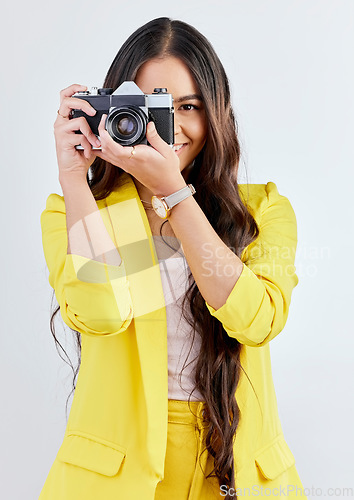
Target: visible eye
x=189, y=107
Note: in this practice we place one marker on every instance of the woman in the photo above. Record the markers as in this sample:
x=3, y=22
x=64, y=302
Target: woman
x=174, y=397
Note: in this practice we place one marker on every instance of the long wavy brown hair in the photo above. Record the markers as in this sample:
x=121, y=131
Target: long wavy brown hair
x=214, y=175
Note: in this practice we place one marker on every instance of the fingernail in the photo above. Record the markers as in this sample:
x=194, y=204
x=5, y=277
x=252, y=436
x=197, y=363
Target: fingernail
x=98, y=142
x=152, y=126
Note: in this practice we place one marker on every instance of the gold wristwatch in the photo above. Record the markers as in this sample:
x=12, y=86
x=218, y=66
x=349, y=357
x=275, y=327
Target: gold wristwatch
x=164, y=205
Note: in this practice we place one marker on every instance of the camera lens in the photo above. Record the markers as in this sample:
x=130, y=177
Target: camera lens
x=127, y=125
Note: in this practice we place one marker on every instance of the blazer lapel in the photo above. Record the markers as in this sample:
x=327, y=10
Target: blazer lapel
x=127, y=224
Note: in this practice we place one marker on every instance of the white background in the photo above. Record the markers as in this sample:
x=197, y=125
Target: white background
x=290, y=64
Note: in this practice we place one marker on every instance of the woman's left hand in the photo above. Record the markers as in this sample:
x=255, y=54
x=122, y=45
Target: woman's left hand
x=157, y=167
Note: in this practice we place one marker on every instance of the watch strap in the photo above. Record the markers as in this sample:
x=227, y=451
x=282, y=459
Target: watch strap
x=179, y=196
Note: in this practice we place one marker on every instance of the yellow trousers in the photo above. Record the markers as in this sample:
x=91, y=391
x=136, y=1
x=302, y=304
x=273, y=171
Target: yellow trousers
x=184, y=479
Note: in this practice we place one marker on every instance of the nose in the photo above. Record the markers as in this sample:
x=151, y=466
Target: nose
x=177, y=125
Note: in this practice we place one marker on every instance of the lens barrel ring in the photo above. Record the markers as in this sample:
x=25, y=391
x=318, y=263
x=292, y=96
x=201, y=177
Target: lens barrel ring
x=127, y=125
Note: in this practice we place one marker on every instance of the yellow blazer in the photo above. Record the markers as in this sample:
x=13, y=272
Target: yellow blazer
x=116, y=435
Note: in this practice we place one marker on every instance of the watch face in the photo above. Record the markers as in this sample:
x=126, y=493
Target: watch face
x=159, y=207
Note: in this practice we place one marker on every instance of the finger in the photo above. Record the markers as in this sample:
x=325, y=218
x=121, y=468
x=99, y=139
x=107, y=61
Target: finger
x=87, y=147
x=101, y=125
x=77, y=140
x=106, y=139
x=70, y=103
x=156, y=141
x=80, y=124
x=102, y=132
x=71, y=90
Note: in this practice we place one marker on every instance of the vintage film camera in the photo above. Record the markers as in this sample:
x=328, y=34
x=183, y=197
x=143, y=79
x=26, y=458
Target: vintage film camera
x=128, y=112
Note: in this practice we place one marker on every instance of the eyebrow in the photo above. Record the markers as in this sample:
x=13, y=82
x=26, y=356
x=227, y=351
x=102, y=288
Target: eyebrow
x=188, y=98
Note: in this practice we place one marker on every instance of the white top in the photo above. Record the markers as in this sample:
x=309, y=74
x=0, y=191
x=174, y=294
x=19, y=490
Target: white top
x=174, y=277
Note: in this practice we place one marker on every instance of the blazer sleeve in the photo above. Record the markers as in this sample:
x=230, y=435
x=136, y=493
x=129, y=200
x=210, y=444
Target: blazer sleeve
x=257, y=308
x=94, y=297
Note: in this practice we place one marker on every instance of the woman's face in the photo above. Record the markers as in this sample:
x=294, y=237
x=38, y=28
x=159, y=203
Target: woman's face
x=189, y=116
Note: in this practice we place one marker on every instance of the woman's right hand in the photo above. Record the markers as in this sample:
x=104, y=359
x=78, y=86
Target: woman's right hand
x=70, y=160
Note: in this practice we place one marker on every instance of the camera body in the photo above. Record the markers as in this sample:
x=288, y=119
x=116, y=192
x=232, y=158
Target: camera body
x=128, y=112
